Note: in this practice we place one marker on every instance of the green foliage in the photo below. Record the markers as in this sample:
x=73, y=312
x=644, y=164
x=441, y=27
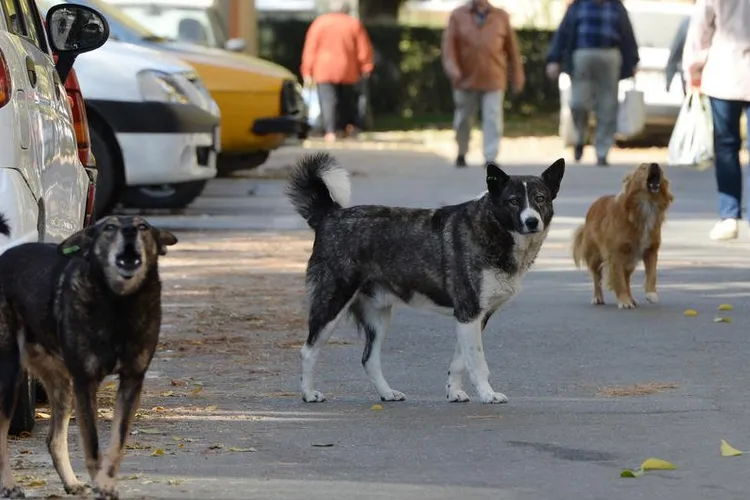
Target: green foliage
x=408, y=79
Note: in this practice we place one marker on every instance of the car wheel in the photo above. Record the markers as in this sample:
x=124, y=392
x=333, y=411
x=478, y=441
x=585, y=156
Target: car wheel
x=163, y=196
x=23, y=417
x=108, y=180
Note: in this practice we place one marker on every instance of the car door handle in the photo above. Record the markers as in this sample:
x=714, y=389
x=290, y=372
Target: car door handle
x=31, y=71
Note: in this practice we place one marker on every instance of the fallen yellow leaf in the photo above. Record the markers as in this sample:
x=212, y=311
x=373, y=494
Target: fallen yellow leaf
x=196, y=391
x=109, y=385
x=167, y=394
x=728, y=450
x=181, y=445
x=721, y=319
x=173, y=482
x=41, y=414
x=725, y=307
x=243, y=450
x=36, y=483
x=159, y=452
x=657, y=464
x=377, y=407
x=690, y=312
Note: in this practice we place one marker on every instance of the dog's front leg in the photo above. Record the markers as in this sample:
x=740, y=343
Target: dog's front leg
x=128, y=399
x=470, y=340
x=85, y=390
x=455, y=384
x=650, y=258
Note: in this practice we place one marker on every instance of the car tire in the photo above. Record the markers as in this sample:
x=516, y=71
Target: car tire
x=23, y=417
x=166, y=196
x=109, y=181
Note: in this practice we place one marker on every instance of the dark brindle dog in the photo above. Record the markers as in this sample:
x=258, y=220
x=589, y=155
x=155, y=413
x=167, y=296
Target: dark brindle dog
x=462, y=260
x=72, y=314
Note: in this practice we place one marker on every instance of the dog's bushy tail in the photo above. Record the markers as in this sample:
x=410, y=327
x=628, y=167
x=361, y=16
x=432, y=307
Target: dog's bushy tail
x=4, y=227
x=578, y=245
x=318, y=185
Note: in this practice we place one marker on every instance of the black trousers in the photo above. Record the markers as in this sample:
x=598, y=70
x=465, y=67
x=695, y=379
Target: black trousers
x=338, y=105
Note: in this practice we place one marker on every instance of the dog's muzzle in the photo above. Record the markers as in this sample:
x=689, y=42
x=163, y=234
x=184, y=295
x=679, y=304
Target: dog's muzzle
x=654, y=178
x=531, y=225
x=128, y=261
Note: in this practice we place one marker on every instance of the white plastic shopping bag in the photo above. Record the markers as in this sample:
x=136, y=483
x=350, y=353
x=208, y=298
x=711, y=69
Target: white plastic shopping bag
x=692, y=140
x=631, y=114
x=312, y=100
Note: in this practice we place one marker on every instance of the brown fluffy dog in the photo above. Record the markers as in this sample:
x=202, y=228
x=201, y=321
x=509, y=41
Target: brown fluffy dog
x=622, y=229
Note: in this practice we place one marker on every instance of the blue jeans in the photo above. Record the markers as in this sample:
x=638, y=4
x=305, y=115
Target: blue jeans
x=727, y=143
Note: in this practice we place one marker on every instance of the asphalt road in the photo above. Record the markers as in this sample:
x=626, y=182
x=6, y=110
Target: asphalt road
x=556, y=357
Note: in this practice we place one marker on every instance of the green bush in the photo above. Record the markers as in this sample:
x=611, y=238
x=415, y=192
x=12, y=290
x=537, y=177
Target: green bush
x=408, y=79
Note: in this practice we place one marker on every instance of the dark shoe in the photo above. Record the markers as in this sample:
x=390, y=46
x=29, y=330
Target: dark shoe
x=460, y=161
x=602, y=161
x=578, y=152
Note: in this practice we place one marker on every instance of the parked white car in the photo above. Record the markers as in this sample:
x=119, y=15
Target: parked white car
x=43, y=185
x=655, y=25
x=154, y=127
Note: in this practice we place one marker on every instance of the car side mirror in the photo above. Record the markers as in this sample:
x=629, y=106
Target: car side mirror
x=235, y=45
x=73, y=29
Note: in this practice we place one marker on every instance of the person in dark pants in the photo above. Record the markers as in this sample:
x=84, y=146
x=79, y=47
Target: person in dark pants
x=595, y=45
x=716, y=62
x=336, y=56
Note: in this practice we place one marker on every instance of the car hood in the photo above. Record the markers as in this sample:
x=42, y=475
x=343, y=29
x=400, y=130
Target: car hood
x=227, y=59
x=110, y=72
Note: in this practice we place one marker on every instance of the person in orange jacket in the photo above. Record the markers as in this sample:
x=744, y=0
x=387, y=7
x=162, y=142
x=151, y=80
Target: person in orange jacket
x=336, y=56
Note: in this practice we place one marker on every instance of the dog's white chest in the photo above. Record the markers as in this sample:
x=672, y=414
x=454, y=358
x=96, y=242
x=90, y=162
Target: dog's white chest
x=497, y=288
x=649, y=214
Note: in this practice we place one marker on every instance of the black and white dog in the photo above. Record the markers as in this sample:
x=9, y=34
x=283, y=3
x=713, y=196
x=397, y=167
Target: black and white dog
x=464, y=260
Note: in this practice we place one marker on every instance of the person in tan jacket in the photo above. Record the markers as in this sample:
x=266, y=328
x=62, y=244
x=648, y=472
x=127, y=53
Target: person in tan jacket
x=480, y=55
x=336, y=56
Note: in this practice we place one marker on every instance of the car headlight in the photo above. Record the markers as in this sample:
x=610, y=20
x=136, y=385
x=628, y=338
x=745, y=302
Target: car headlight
x=161, y=87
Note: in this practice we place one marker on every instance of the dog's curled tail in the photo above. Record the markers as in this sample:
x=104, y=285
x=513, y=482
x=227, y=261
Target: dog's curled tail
x=4, y=227
x=318, y=185
x=578, y=244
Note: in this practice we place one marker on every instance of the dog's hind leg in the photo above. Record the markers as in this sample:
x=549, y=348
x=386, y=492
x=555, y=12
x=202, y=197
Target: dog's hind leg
x=374, y=320
x=10, y=372
x=329, y=301
x=128, y=399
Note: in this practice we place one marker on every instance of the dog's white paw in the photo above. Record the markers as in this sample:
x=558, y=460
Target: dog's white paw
x=494, y=398
x=393, y=396
x=629, y=304
x=652, y=297
x=313, y=397
x=458, y=396
x=597, y=301
x=77, y=488
x=105, y=494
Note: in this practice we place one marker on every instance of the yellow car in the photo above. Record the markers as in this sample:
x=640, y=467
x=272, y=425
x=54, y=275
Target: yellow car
x=261, y=102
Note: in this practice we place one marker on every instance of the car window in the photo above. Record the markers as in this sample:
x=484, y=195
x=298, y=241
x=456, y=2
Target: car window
x=176, y=23
x=655, y=29
x=33, y=22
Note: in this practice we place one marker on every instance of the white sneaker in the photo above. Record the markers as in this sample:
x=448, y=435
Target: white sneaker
x=724, y=230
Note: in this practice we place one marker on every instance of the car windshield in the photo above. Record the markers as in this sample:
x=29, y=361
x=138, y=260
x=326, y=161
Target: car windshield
x=655, y=29
x=186, y=24
x=112, y=14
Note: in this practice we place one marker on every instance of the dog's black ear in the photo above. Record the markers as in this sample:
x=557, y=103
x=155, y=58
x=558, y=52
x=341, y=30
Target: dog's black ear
x=77, y=243
x=496, y=178
x=552, y=177
x=164, y=239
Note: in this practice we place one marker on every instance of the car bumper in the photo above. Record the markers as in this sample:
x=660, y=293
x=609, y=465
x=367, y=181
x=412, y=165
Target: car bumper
x=20, y=209
x=163, y=143
x=287, y=125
